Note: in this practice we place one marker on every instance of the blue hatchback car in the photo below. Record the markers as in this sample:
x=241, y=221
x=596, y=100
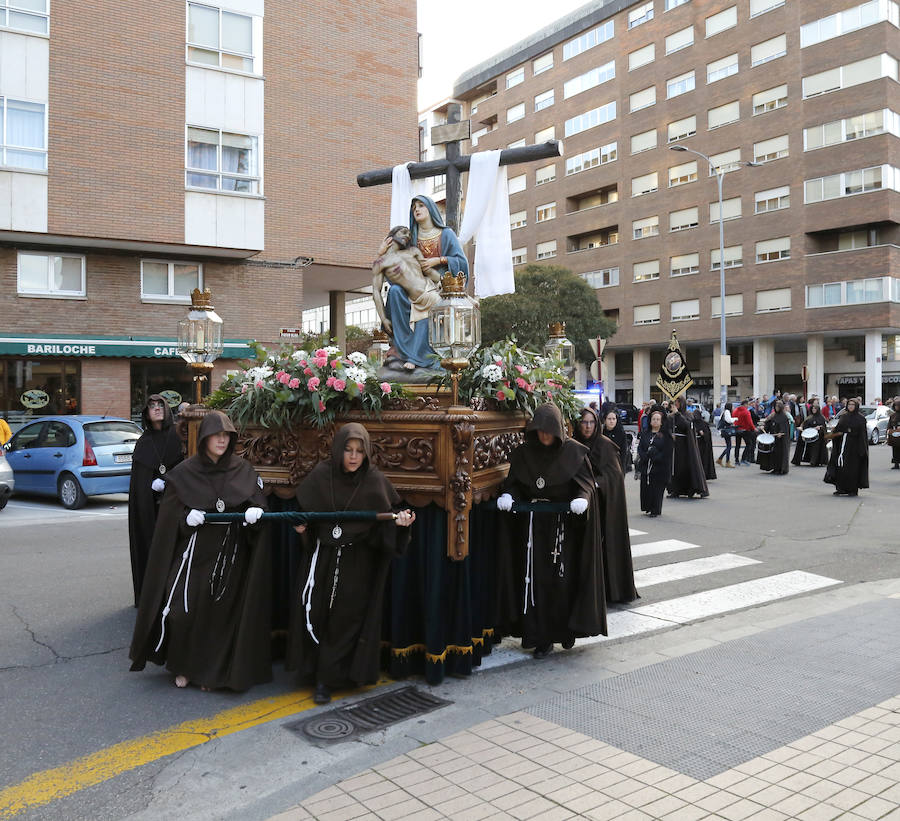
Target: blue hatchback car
x=73, y=457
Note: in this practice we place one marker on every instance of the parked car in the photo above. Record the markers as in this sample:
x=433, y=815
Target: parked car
x=73, y=457
x=876, y=422
x=627, y=413
x=7, y=482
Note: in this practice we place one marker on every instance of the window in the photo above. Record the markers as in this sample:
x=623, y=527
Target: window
x=725, y=162
x=25, y=15
x=673, y=4
x=852, y=74
x=774, y=199
x=477, y=135
x=768, y=50
x=684, y=309
x=773, y=149
x=680, y=39
x=769, y=100
x=545, y=212
x=720, y=22
x=851, y=240
x=646, y=314
x=852, y=19
x=541, y=64
x=606, y=278
x=543, y=100
x=684, y=219
x=220, y=38
x=851, y=128
x=222, y=161
x=645, y=184
x=853, y=292
x=734, y=305
x=515, y=77
x=646, y=227
x=681, y=174
x=850, y=183
x=50, y=274
x=758, y=7
x=643, y=141
x=683, y=264
x=772, y=250
x=169, y=281
x=519, y=256
x=588, y=40
x=731, y=209
x=516, y=184
x=645, y=271
x=734, y=257
x=680, y=85
x=598, y=239
x=546, y=250
x=590, y=79
x=23, y=134
x=682, y=129
x=518, y=219
x=517, y=144
x=641, y=57
x=722, y=68
x=480, y=99
x=723, y=114
x=643, y=99
x=590, y=119
x=640, y=15
x=545, y=174
x=588, y=159
x=545, y=135
x=516, y=112
x=778, y=299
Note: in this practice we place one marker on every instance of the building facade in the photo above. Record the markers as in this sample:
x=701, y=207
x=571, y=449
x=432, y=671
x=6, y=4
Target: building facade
x=796, y=102
x=151, y=149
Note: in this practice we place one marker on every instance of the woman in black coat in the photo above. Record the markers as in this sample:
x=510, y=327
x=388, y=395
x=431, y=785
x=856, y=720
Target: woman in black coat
x=893, y=433
x=655, y=461
x=815, y=452
x=615, y=432
x=848, y=467
x=776, y=460
x=705, y=445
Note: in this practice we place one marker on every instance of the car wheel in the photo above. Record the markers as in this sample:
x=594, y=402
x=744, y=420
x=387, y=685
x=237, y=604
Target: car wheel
x=3, y=501
x=875, y=438
x=70, y=494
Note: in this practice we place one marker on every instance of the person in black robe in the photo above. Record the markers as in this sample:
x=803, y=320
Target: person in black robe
x=155, y=453
x=814, y=453
x=688, y=478
x=335, y=633
x=204, y=611
x=705, y=445
x=610, y=483
x=893, y=433
x=848, y=467
x=614, y=430
x=655, y=449
x=776, y=460
x=551, y=585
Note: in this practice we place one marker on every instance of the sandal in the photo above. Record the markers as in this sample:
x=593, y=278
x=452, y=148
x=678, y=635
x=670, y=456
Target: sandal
x=181, y=681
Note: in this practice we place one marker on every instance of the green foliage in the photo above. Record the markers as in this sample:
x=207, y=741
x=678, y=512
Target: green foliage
x=357, y=340
x=545, y=294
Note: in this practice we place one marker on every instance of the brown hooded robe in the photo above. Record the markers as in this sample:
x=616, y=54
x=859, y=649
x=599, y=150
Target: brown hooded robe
x=349, y=571
x=223, y=637
x=562, y=596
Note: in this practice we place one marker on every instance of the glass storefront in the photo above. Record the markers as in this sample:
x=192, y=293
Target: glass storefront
x=172, y=379
x=38, y=387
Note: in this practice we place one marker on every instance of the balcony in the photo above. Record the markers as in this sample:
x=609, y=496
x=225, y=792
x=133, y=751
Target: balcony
x=592, y=199
x=590, y=240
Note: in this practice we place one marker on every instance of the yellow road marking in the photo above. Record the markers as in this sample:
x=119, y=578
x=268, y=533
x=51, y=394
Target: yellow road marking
x=95, y=768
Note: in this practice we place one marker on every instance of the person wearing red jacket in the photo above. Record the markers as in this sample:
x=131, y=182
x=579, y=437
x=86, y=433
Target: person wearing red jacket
x=746, y=433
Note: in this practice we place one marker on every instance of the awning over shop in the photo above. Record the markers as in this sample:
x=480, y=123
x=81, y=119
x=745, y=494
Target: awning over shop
x=154, y=347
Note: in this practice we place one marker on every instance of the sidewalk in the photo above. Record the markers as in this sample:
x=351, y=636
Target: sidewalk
x=794, y=716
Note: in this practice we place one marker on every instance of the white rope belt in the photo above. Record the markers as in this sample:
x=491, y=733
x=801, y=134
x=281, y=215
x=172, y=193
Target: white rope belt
x=186, y=559
x=841, y=454
x=306, y=595
x=529, y=564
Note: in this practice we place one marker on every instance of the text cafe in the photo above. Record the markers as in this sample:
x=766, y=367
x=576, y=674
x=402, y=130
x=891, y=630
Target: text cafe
x=46, y=375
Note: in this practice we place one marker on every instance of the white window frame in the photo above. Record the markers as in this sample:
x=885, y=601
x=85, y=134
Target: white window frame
x=545, y=212
x=728, y=207
x=170, y=296
x=641, y=56
x=543, y=100
x=49, y=291
x=253, y=56
x=642, y=14
x=604, y=278
x=590, y=79
x=677, y=40
x=13, y=15
x=725, y=161
x=731, y=109
x=646, y=184
x=682, y=84
x=772, y=199
x=758, y=7
x=723, y=67
x=543, y=180
x=674, y=4
x=773, y=103
x=643, y=137
x=849, y=130
x=515, y=77
x=888, y=68
x=590, y=119
x=774, y=308
x=682, y=135
x=592, y=158
x=251, y=180
x=519, y=256
x=515, y=113
x=650, y=319
x=637, y=94
x=847, y=20
x=728, y=18
x=730, y=309
x=775, y=253
x=518, y=219
x=645, y=227
x=545, y=134
x=541, y=64
x=689, y=309
x=649, y=271
x=730, y=261
x=690, y=219
x=682, y=265
x=776, y=47
x=683, y=173
x=771, y=155
x=549, y=249
x=588, y=40
x=888, y=179
x=513, y=184
x=40, y=153
x=886, y=288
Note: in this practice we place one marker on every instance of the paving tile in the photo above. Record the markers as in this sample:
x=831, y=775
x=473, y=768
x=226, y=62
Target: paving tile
x=695, y=792
x=675, y=783
x=748, y=787
x=740, y=810
x=642, y=796
x=664, y=806
x=880, y=763
x=587, y=802
x=796, y=804
x=824, y=769
x=717, y=801
x=822, y=790
x=412, y=779
x=875, y=807
x=335, y=802
x=608, y=811
x=452, y=806
x=349, y=813
x=501, y=788
x=768, y=814
x=402, y=809
x=364, y=779
x=532, y=807
x=477, y=812
x=848, y=776
x=847, y=799
x=874, y=785
x=439, y=795
x=386, y=800
x=821, y=812
x=771, y=795
x=514, y=799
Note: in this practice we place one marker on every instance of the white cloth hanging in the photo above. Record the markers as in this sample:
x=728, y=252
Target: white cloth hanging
x=403, y=189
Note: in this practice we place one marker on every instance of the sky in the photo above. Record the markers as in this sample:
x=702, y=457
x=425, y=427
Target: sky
x=458, y=34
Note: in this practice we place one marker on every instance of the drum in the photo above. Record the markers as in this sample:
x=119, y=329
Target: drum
x=895, y=436
x=765, y=442
x=810, y=435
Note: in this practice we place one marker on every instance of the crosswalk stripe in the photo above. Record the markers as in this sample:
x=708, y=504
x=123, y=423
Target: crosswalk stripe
x=662, y=546
x=686, y=570
x=633, y=532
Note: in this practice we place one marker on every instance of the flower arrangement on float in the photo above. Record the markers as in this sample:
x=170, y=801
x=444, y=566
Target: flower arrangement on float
x=291, y=386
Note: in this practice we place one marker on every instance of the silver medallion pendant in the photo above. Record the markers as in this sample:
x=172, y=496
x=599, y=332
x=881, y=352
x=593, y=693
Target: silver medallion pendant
x=162, y=470
x=336, y=532
x=220, y=505
x=539, y=482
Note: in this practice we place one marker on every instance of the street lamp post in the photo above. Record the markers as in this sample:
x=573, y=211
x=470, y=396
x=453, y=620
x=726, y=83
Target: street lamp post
x=723, y=349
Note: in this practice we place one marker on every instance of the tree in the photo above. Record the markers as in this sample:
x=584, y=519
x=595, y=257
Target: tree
x=545, y=294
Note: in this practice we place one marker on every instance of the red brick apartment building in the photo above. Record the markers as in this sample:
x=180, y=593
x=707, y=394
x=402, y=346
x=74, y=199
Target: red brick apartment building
x=807, y=91
x=148, y=148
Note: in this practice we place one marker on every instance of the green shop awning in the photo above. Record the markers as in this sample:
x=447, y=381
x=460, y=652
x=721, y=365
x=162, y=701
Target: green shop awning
x=152, y=347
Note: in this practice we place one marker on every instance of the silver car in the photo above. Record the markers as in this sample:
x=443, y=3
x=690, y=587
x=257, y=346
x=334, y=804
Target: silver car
x=7, y=483
x=876, y=422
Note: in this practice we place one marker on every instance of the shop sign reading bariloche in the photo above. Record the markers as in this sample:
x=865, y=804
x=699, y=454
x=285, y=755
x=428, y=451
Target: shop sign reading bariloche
x=129, y=346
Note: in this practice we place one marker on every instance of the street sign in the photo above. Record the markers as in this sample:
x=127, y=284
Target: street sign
x=595, y=370
x=597, y=346
x=291, y=333
x=804, y=374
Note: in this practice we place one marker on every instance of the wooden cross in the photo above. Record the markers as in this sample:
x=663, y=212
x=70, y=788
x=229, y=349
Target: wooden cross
x=451, y=135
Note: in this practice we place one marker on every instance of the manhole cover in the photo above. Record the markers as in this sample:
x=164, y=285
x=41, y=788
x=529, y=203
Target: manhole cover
x=374, y=713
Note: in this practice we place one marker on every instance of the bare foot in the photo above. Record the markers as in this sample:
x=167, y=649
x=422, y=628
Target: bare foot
x=409, y=366
x=181, y=681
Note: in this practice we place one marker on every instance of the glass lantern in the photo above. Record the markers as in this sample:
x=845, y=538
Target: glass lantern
x=558, y=347
x=200, y=340
x=379, y=348
x=454, y=327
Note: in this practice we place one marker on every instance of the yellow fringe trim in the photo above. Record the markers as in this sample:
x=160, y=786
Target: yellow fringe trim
x=405, y=651
x=465, y=650
x=462, y=649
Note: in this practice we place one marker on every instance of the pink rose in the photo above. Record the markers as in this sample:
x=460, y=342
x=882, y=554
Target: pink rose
x=294, y=383
x=506, y=383
x=339, y=384
x=313, y=383
x=307, y=371
x=501, y=396
x=320, y=361
x=259, y=383
x=303, y=363
x=530, y=387
x=321, y=406
x=329, y=382
x=520, y=369
x=284, y=378
x=549, y=394
x=335, y=363
x=244, y=388
x=361, y=386
x=385, y=388
x=498, y=360
x=320, y=353
x=521, y=382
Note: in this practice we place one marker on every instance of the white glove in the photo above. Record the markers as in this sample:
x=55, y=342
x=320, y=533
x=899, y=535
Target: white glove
x=158, y=485
x=505, y=502
x=252, y=514
x=195, y=518
x=578, y=505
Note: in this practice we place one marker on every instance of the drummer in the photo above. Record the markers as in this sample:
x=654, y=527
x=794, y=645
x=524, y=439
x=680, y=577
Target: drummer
x=893, y=432
x=773, y=446
x=811, y=448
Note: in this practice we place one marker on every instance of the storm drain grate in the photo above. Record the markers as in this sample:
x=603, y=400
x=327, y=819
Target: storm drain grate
x=375, y=713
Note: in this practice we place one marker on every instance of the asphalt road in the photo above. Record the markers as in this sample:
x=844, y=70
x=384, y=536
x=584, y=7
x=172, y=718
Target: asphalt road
x=66, y=617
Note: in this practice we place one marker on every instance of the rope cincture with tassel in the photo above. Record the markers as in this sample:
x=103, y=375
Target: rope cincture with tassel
x=302, y=517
